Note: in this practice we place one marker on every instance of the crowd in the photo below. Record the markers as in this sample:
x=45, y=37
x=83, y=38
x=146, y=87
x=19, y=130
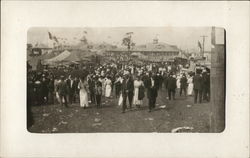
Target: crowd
x=129, y=84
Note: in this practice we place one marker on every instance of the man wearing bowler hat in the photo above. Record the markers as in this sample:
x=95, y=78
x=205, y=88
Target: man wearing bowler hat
x=127, y=92
x=63, y=91
x=197, y=80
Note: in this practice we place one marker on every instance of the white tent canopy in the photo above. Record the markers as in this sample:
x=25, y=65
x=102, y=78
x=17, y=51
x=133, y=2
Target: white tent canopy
x=138, y=54
x=60, y=57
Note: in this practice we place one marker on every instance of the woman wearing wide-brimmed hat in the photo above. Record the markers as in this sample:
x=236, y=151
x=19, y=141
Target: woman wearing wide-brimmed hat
x=138, y=91
x=83, y=94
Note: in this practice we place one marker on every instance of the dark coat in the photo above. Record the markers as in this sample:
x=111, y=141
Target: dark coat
x=98, y=88
x=205, y=81
x=145, y=80
x=51, y=85
x=71, y=89
x=158, y=79
x=118, y=86
x=166, y=81
x=152, y=91
x=127, y=86
x=183, y=82
x=171, y=83
x=197, y=80
x=91, y=84
x=141, y=94
x=63, y=88
x=45, y=87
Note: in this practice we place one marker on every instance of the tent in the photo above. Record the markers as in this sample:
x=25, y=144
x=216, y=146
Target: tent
x=59, y=57
x=100, y=52
x=72, y=57
x=78, y=55
x=68, y=57
x=49, y=55
x=136, y=54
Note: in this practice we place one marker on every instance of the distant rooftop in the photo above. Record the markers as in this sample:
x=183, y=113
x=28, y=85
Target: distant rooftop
x=41, y=45
x=150, y=47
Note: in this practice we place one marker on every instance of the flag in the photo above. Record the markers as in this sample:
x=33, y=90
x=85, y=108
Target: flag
x=55, y=39
x=199, y=44
x=50, y=36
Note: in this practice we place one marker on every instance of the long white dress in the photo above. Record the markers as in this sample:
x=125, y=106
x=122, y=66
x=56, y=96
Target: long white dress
x=178, y=82
x=83, y=86
x=137, y=84
x=56, y=83
x=190, y=85
x=108, y=88
x=103, y=86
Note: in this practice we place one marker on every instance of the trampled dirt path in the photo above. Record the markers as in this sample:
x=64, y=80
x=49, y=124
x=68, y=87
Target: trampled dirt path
x=167, y=116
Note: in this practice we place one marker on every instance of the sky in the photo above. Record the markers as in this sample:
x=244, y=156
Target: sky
x=185, y=38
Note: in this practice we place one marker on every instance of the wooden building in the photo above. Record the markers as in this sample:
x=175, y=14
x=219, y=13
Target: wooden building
x=218, y=80
x=158, y=52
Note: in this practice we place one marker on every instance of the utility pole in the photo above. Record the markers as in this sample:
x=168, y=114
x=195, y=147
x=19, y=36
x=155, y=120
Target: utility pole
x=203, y=42
x=218, y=82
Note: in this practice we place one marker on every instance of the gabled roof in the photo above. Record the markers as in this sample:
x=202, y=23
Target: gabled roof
x=59, y=57
x=119, y=49
x=150, y=47
x=157, y=47
x=69, y=56
x=78, y=55
x=41, y=46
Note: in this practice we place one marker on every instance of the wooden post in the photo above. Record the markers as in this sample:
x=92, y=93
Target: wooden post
x=218, y=52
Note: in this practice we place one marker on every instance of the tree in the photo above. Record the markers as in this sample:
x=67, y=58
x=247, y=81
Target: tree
x=127, y=40
x=39, y=66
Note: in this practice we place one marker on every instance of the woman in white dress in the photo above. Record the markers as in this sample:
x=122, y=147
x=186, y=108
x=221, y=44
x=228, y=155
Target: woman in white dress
x=178, y=83
x=190, y=85
x=137, y=84
x=83, y=94
x=103, y=85
x=56, y=83
x=108, y=87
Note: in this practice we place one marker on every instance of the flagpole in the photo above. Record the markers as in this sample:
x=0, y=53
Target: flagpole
x=203, y=42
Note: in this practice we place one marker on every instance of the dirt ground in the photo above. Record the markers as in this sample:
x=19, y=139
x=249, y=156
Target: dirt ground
x=167, y=117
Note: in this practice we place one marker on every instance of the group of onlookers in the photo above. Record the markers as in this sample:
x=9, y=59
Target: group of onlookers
x=128, y=83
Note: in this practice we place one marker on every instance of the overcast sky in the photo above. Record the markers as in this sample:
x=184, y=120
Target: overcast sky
x=183, y=37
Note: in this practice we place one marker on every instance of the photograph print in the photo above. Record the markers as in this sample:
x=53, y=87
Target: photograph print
x=126, y=79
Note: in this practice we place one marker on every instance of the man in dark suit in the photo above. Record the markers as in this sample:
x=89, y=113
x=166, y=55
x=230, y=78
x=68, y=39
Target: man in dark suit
x=145, y=78
x=72, y=86
x=183, y=86
x=165, y=79
x=171, y=86
x=76, y=97
x=205, y=86
x=152, y=86
x=45, y=89
x=127, y=92
x=63, y=91
x=158, y=79
x=51, y=89
x=38, y=90
x=197, y=80
x=91, y=83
